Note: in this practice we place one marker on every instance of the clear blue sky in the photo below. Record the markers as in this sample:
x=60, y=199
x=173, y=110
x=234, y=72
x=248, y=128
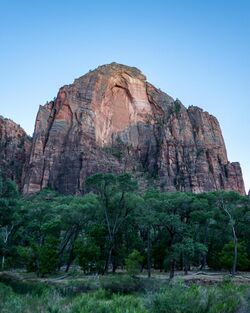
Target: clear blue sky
x=197, y=51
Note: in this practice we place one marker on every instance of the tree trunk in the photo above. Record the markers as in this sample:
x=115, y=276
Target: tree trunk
x=70, y=260
x=3, y=262
x=71, y=254
x=182, y=261
x=61, y=252
x=235, y=241
x=108, y=261
x=149, y=255
x=172, y=268
x=235, y=252
x=114, y=265
x=7, y=233
x=204, y=255
x=185, y=259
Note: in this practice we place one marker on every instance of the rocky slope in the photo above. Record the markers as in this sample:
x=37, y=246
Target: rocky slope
x=113, y=120
x=15, y=147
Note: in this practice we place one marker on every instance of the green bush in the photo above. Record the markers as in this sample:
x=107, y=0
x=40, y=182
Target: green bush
x=5, y=292
x=227, y=256
x=48, y=301
x=176, y=298
x=74, y=287
x=101, y=302
x=22, y=286
x=226, y=298
x=180, y=299
x=133, y=262
x=120, y=284
x=89, y=257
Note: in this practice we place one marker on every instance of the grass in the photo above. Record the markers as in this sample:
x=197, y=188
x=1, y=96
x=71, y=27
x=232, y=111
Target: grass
x=123, y=294
x=222, y=298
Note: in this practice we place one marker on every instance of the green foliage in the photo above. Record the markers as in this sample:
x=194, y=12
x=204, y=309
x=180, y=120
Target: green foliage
x=48, y=257
x=177, y=106
x=118, y=203
x=21, y=286
x=116, y=151
x=47, y=301
x=101, y=302
x=47, y=232
x=9, y=217
x=134, y=262
x=89, y=257
x=226, y=298
x=176, y=298
x=120, y=284
x=227, y=255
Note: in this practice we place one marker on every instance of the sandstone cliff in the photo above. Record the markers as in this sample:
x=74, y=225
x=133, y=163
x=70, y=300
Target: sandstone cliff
x=113, y=120
x=14, y=150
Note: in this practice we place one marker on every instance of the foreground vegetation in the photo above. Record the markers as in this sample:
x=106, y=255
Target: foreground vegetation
x=172, y=298
x=114, y=226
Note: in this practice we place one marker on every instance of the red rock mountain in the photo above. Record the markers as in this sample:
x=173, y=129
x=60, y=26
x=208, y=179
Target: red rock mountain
x=14, y=150
x=113, y=120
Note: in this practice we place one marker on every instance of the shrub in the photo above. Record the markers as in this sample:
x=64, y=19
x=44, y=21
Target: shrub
x=101, y=302
x=133, y=262
x=22, y=286
x=89, y=257
x=225, y=298
x=180, y=299
x=227, y=256
x=120, y=284
x=48, y=301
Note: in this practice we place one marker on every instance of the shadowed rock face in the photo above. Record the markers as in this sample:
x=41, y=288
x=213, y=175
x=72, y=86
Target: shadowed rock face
x=14, y=150
x=113, y=120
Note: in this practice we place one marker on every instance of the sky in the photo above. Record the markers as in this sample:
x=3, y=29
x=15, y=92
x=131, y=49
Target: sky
x=196, y=51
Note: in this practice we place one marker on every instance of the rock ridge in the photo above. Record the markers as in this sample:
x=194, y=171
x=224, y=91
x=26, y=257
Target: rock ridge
x=15, y=147
x=113, y=120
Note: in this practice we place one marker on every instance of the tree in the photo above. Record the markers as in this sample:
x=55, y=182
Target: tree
x=114, y=225
x=201, y=222
x=227, y=256
x=40, y=232
x=147, y=218
x=89, y=256
x=90, y=249
x=227, y=201
x=9, y=217
x=76, y=215
x=116, y=196
x=174, y=217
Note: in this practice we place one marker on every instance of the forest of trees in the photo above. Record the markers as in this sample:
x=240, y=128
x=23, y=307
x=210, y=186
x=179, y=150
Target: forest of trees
x=116, y=226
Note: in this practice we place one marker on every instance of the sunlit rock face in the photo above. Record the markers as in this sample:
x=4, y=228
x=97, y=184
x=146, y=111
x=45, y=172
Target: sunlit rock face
x=14, y=150
x=113, y=120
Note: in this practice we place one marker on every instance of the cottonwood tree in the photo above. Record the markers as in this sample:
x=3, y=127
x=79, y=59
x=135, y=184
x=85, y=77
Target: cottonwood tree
x=228, y=202
x=9, y=218
x=76, y=216
x=117, y=204
x=40, y=233
x=148, y=220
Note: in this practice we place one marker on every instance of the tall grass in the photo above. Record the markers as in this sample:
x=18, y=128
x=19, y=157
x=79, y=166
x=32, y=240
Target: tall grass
x=176, y=298
x=223, y=298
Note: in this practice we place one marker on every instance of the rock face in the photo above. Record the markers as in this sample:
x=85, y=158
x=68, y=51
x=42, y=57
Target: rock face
x=15, y=147
x=113, y=120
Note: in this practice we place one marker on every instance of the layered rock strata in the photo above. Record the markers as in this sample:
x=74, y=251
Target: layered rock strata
x=15, y=147
x=113, y=120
